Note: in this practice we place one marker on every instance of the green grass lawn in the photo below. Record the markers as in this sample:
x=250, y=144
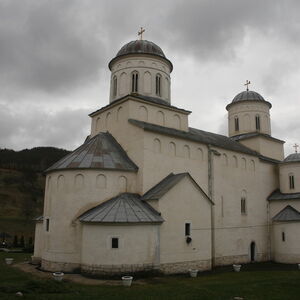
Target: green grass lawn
x=255, y=281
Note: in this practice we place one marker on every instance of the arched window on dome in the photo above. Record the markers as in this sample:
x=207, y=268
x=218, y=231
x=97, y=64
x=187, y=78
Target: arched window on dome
x=236, y=124
x=158, y=85
x=257, y=122
x=115, y=86
x=134, y=81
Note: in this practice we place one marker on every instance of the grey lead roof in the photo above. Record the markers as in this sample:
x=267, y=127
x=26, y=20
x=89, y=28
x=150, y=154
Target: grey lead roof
x=124, y=208
x=197, y=135
x=140, y=47
x=295, y=157
x=254, y=134
x=248, y=96
x=287, y=214
x=277, y=195
x=161, y=188
x=100, y=152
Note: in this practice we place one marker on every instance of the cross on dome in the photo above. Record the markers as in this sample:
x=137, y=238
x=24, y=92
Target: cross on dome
x=296, y=146
x=141, y=33
x=247, y=84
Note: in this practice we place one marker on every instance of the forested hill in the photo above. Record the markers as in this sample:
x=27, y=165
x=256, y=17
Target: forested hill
x=22, y=186
x=35, y=159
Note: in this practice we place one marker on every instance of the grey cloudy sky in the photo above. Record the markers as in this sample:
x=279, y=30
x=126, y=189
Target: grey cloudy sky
x=54, y=56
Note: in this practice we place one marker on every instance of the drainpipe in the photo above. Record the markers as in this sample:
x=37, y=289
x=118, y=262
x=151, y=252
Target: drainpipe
x=211, y=152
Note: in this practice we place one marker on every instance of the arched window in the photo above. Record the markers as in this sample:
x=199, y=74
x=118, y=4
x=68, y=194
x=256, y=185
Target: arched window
x=60, y=182
x=244, y=163
x=172, y=149
x=292, y=181
x=101, y=181
x=123, y=184
x=257, y=122
x=115, y=86
x=243, y=203
x=158, y=85
x=157, y=146
x=200, y=154
x=224, y=159
x=79, y=181
x=236, y=124
x=235, y=161
x=177, y=121
x=186, y=151
x=134, y=82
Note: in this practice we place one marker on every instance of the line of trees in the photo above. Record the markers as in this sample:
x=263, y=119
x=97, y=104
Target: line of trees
x=35, y=159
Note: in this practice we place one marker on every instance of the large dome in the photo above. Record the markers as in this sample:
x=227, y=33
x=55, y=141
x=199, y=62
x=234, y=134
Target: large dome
x=295, y=157
x=140, y=47
x=248, y=96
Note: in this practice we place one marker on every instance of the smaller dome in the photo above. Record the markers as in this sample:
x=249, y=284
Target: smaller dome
x=295, y=157
x=248, y=96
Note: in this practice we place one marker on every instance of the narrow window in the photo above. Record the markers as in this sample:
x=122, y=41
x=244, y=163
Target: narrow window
x=115, y=243
x=292, y=182
x=115, y=86
x=134, y=82
x=47, y=224
x=243, y=205
x=283, y=236
x=236, y=124
x=257, y=122
x=158, y=85
x=187, y=229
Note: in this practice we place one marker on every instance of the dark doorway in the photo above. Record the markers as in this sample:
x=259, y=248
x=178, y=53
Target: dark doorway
x=252, y=251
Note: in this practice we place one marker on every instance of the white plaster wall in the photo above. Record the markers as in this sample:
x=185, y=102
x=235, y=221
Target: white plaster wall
x=115, y=119
x=138, y=244
x=285, y=170
x=267, y=147
x=38, y=240
x=71, y=193
x=246, y=112
x=147, y=67
x=184, y=203
x=287, y=251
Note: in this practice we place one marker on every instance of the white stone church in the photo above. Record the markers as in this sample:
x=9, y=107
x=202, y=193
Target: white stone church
x=147, y=192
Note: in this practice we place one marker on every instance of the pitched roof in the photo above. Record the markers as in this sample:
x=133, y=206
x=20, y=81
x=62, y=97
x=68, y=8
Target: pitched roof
x=161, y=188
x=100, y=152
x=124, y=208
x=287, y=214
x=143, y=98
x=294, y=157
x=254, y=134
x=277, y=195
x=197, y=135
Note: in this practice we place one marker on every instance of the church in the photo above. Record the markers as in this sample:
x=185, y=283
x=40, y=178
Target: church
x=146, y=192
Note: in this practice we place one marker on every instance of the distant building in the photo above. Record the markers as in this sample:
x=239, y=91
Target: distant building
x=147, y=192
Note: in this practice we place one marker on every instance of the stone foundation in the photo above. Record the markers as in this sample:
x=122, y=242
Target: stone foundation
x=108, y=270
x=183, y=267
x=36, y=260
x=59, y=266
x=239, y=259
x=286, y=258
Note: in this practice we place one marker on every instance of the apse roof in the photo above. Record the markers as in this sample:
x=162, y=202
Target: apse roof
x=254, y=134
x=99, y=152
x=287, y=214
x=295, y=157
x=124, y=208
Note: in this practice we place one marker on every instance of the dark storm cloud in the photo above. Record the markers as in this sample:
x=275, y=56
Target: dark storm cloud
x=212, y=29
x=45, y=45
x=35, y=127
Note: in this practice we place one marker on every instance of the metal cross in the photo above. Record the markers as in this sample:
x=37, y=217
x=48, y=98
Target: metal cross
x=141, y=33
x=247, y=84
x=296, y=147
